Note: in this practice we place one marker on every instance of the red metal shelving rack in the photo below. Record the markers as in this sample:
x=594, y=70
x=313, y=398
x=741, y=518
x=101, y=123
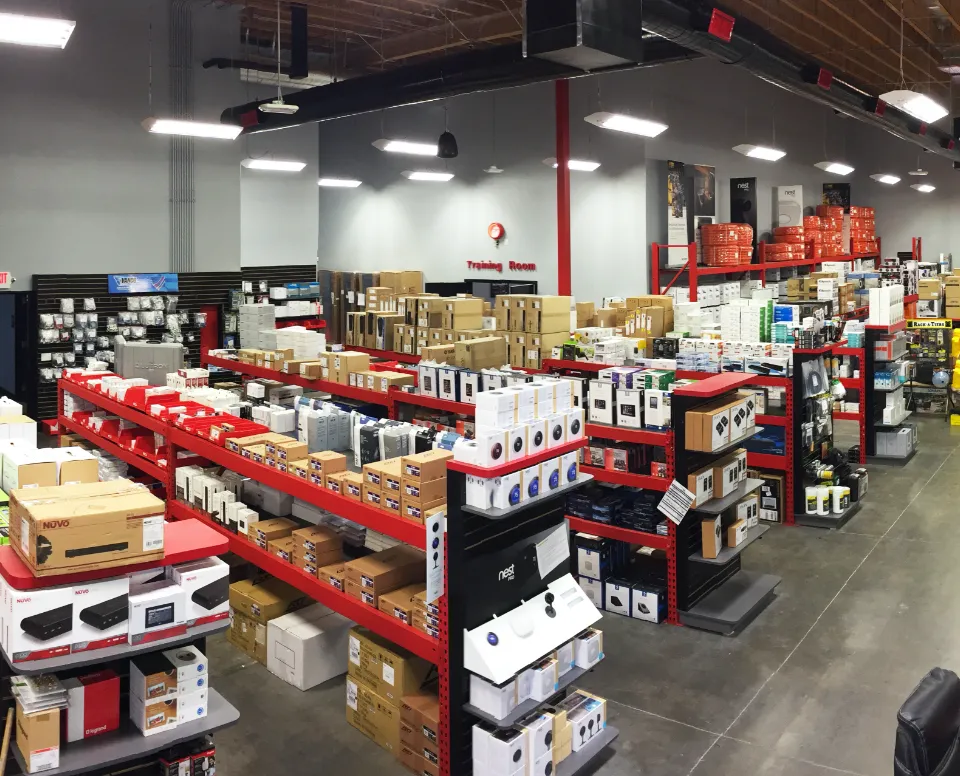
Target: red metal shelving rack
x=639, y=436
x=388, y=355
x=143, y=464
x=513, y=466
x=396, y=396
x=647, y=481
x=628, y=535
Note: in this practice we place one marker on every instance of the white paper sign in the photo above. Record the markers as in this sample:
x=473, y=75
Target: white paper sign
x=553, y=550
x=676, y=502
x=436, y=531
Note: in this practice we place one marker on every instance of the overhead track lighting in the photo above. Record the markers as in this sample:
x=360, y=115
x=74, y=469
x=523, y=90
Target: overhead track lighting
x=192, y=128
x=579, y=165
x=765, y=153
x=35, y=30
x=915, y=104
x=274, y=165
x=926, y=188
x=621, y=123
x=890, y=180
x=338, y=183
x=425, y=175
x=835, y=168
x=406, y=147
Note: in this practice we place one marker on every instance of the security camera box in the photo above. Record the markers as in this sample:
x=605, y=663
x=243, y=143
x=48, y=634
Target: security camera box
x=588, y=648
x=205, y=586
x=617, y=593
x=38, y=623
x=156, y=612
x=649, y=604
x=497, y=700
x=727, y=476
x=593, y=588
x=700, y=483
x=712, y=537
x=100, y=614
x=594, y=556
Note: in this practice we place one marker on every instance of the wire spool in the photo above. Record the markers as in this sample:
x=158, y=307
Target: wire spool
x=777, y=252
x=812, y=222
x=719, y=234
x=721, y=255
x=813, y=238
x=745, y=232
x=814, y=252
x=830, y=211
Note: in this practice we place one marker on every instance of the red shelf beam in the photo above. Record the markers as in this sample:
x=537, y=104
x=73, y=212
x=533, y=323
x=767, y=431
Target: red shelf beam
x=184, y=541
x=560, y=365
x=445, y=405
x=388, y=355
x=406, y=636
x=766, y=461
x=646, y=481
x=715, y=385
x=337, y=389
x=778, y=382
x=854, y=416
x=911, y=298
x=850, y=382
x=637, y=435
x=515, y=466
x=114, y=407
x=141, y=463
x=371, y=517
x=848, y=351
x=772, y=420
x=620, y=534
x=890, y=328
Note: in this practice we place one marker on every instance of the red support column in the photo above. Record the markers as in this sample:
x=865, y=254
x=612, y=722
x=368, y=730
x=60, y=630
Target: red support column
x=563, y=187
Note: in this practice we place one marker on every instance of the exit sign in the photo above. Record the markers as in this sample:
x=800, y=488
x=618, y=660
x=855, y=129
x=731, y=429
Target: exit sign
x=6, y=279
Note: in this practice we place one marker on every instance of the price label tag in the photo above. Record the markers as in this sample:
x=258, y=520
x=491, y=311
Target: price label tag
x=676, y=502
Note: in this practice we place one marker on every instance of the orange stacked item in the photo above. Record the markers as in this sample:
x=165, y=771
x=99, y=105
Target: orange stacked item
x=721, y=244
x=783, y=252
x=812, y=238
x=862, y=231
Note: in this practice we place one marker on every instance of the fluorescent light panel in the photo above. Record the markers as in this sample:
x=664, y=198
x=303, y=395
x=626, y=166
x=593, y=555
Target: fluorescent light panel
x=338, y=183
x=275, y=165
x=621, y=123
x=425, y=175
x=192, y=128
x=917, y=105
x=579, y=165
x=926, y=188
x=835, y=168
x=35, y=30
x=890, y=180
x=406, y=147
x=760, y=152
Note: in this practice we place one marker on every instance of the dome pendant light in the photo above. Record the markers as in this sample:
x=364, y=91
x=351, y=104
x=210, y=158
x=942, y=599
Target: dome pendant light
x=447, y=144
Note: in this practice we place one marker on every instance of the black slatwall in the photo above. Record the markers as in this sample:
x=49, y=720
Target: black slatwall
x=197, y=289
x=278, y=276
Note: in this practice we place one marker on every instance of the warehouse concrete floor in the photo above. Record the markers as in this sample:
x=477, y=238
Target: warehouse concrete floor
x=811, y=688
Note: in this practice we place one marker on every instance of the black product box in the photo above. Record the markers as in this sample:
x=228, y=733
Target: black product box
x=369, y=444
x=666, y=347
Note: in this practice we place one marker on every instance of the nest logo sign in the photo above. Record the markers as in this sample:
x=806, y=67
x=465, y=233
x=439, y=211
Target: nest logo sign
x=508, y=574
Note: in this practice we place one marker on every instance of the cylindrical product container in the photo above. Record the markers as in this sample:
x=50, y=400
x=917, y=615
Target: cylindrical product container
x=837, y=499
x=721, y=255
x=845, y=498
x=823, y=500
x=745, y=231
x=719, y=234
x=811, y=494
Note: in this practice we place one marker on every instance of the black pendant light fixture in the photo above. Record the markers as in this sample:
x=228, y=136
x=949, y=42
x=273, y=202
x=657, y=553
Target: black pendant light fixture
x=447, y=144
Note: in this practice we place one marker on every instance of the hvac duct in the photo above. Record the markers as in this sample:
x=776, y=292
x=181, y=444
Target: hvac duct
x=584, y=34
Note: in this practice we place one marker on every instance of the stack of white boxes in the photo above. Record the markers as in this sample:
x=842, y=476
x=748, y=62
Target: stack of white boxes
x=886, y=306
x=255, y=318
x=296, y=308
x=688, y=318
x=304, y=342
x=730, y=323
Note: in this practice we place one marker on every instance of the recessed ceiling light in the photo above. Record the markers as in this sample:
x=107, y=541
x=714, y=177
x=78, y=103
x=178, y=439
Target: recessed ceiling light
x=406, y=147
x=192, y=128
x=35, y=30
x=765, y=153
x=835, y=168
x=926, y=188
x=580, y=165
x=493, y=169
x=917, y=105
x=620, y=123
x=881, y=177
x=425, y=175
x=275, y=165
x=338, y=183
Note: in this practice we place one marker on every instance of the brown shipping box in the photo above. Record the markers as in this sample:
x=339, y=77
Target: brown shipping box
x=387, y=669
x=421, y=712
x=547, y=314
x=248, y=636
x=38, y=738
x=501, y=311
x=266, y=600
x=385, y=571
x=483, y=353
x=400, y=603
x=585, y=313
x=442, y=354
x=122, y=522
x=373, y=715
x=425, y=466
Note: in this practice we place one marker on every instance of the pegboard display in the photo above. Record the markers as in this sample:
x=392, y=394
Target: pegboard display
x=196, y=290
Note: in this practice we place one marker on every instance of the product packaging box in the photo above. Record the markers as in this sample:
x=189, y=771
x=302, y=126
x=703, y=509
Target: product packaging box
x=152, y=677
x=156, y=611
x=86, y=527
x=192, y=706
x=152, y=717
x=93, y=705
x=389, y=670
x=38, y=623
x=206, y=589
x=38, y=739
x=248, y=636
x=308, y=647
x=373, y=715
x=263, y=601
x=712, y=537
x=100, y=611
x=384, y=571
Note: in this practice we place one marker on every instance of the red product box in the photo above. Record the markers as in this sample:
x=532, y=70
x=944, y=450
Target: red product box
x=93, y=705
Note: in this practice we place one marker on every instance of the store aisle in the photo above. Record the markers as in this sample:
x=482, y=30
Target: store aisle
x=811, y=688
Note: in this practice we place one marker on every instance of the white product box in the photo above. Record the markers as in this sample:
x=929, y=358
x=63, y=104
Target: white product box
x=546, y=679
x=517, y=444
x=565, y=658
x=206, y=588
x=588, y=562
x=497, y=700
x=502, y=752
x=574, y=424
x=630, y=407
x=645, y=605
x=100, y=614
x=569, y=467
x=530, y=483
x=656, y=409
x=427, y=376
x=479, y=492
x=603, y=407
x=588, y=648
x=738, y=420
x=539, y=731
x=37, y=623
x=536, y=436
x=188, y=661
x=219, y=505
x=525, y=685
x=246, y=518
x=588, y=719
x=188, y=686
x=618, y=597
x=550, y=475
x=556, y=430
x=192, y=706
x=593, y=589
x=750, y=406
x=156, y=611
x=308, y=647
x=153, y=717
x=470, y=386
x=507, y=491
x=184, y=473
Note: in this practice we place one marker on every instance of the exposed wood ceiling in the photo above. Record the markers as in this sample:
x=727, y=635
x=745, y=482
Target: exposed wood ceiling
x=862, y=38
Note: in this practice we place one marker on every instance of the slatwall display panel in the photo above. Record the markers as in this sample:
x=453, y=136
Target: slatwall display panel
x=278, y=276
x=197, y=289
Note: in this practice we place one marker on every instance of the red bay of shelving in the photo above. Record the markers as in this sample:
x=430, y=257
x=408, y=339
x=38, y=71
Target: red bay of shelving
x=619, y=533
x=766, y=461
x=144, y=465
x=647, y=481
x=431, y=402
x=772, y=420
x=638, y=435
x=515, y=466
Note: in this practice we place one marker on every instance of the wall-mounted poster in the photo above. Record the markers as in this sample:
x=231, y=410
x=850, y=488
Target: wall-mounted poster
x=837, y=195
x=676, y=214
x=704, y=193
x=743, y=203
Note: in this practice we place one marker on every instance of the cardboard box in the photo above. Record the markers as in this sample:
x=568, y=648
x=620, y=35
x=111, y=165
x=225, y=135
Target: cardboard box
x=266, y=531
x=373, y=715
x=327, y=462
x=308, y=647
x=387, y=669
x=25, y=467
x=266, y=600
x=481, y=353
x=426, y=466
x=38, y=739
x=736, y=534
x=400, y=603
x=712, y=535
x=385, y=571
x=111, y=523
x=547, y=314
x=248, y=636
x=282, y=548
x=423, y=493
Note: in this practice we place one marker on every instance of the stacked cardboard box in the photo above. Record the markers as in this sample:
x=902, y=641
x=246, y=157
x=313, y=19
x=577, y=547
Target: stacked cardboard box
x=420, y=733
x=252, y=606
x=371, y=576
x=423, y=484
x=951, y=296
x=379, y=676
x=536, y=324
